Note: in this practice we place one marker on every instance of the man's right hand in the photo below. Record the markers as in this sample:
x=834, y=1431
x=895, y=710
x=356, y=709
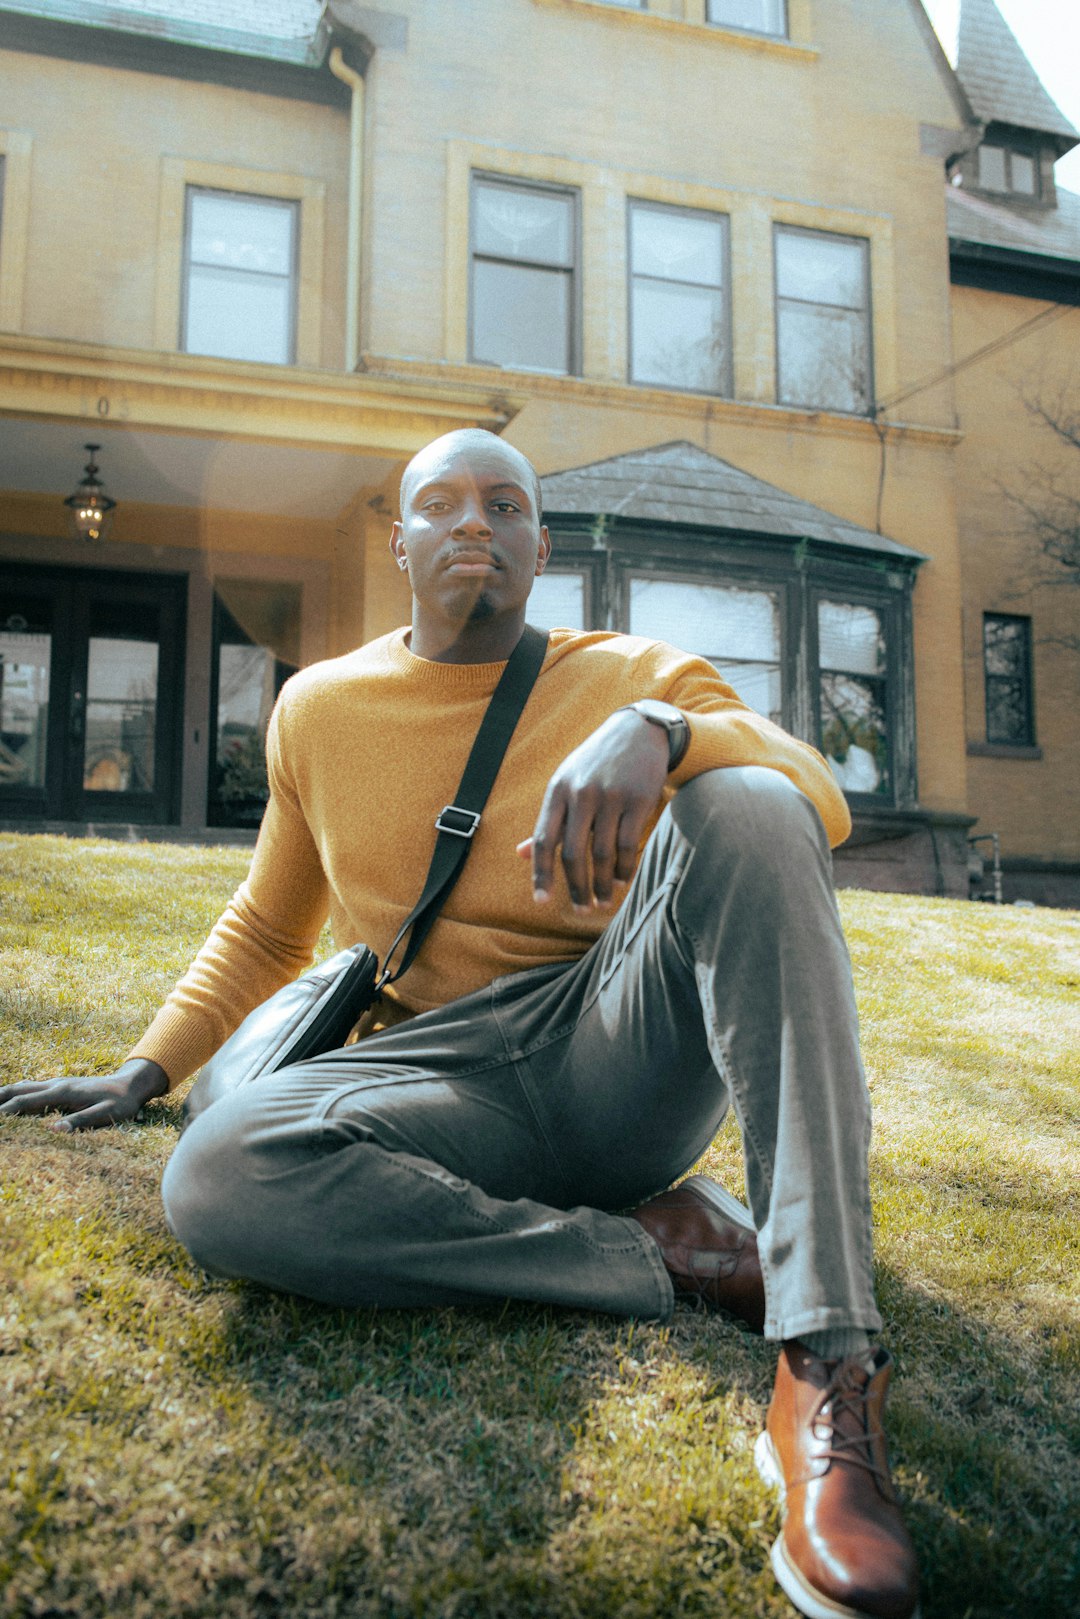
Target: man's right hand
x=91, y=1101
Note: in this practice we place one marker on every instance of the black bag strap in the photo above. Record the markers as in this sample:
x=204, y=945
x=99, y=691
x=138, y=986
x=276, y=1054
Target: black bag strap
x=456, y=823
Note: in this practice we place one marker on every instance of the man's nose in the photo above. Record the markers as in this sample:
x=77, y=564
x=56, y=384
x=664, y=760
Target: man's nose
x=473, y=519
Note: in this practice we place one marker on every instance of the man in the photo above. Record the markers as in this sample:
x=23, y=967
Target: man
x=571, y=1033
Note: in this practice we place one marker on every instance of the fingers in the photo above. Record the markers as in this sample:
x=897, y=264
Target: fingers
x=597, y=839
x=29, y=1096
x=90, y=1118
x=88, y=1102
x=546, y=837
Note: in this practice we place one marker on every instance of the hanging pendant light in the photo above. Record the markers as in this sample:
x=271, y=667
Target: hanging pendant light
x=90, y=507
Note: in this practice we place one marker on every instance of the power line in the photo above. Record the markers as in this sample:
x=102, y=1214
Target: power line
x=1045, y=317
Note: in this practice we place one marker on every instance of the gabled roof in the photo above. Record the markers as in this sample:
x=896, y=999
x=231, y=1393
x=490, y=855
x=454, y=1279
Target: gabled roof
x=686, y=487
x=999, y=81
x=1051, y=232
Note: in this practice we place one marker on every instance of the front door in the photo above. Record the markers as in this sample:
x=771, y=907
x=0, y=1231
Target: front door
x=91, y=671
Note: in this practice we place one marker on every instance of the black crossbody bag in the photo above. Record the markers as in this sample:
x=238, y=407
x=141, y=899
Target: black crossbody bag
x=318, y=1012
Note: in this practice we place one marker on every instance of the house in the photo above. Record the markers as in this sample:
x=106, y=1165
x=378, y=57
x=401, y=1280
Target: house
x=702, y=260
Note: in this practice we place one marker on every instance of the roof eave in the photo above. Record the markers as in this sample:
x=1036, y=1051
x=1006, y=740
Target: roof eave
x=876, y=545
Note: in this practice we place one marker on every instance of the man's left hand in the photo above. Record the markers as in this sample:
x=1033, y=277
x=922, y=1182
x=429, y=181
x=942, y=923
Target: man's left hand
x=596, y=808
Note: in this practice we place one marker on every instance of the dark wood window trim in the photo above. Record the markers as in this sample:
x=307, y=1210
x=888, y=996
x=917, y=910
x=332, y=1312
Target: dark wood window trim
x=1024, y=678
x=1004, y=750
x=609, y=550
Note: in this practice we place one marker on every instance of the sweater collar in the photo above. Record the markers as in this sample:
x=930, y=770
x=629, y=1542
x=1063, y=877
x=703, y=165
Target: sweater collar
x=479, y=677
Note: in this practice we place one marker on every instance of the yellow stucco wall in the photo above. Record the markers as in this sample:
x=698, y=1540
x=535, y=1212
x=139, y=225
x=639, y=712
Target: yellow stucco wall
x=822, y=131
x=811, y=132
x=110, y=150
x=1032, y=803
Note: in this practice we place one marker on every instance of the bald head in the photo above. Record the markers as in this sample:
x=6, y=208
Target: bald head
x=476, y=446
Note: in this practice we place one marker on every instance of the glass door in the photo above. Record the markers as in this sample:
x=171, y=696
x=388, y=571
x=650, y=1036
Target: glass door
x=91, y=668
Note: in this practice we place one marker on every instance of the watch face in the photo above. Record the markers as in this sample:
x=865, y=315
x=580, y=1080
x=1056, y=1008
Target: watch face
x=660, y=713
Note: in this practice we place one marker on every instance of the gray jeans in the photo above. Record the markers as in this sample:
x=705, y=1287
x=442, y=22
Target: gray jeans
x=476, y=1152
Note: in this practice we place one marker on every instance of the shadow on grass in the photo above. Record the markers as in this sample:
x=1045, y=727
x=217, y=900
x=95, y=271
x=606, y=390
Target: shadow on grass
x=516, y=1461
x=989, y=1484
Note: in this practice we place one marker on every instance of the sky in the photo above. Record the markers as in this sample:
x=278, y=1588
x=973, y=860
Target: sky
x=1049, y=34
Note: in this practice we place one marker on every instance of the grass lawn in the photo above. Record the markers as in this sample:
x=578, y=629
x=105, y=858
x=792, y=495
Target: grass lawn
x=173, y=1445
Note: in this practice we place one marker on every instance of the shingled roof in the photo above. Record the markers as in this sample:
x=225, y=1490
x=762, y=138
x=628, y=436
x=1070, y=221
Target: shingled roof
x=1052, y=232
x=287, y=30
x=998, y=79
x=686, y=487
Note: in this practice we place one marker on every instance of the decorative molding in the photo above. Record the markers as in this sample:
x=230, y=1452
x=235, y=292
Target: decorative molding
x=242, y=399
x=626, y=396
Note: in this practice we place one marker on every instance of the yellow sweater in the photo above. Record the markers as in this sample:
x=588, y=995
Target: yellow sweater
x=364, y=750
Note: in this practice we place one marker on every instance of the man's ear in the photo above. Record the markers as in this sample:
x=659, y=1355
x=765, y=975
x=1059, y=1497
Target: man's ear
x=397, y=544
x=544, y=552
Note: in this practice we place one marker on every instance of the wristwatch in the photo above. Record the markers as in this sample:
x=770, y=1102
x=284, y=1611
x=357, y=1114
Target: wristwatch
x=671, y=720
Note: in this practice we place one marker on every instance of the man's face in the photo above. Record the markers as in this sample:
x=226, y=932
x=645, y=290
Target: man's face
x=470, y=531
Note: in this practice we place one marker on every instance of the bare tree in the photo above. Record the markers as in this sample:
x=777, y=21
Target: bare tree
x=1050, y=501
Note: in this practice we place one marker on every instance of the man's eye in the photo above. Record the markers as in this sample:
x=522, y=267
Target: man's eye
x=507, y=506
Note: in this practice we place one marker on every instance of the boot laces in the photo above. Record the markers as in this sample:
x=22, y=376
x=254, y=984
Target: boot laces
x=848, y=1391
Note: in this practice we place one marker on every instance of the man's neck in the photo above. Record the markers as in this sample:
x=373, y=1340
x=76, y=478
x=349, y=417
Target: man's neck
x=487, y=641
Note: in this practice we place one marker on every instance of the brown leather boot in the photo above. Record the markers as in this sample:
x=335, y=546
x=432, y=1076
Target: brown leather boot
x=708, y=1244
x=843, y=1552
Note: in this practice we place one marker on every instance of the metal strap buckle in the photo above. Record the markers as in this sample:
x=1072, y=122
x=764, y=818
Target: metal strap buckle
x=470, y=817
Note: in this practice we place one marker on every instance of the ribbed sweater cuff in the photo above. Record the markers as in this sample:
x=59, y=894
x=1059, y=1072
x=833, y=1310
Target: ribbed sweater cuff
x=171, y=1042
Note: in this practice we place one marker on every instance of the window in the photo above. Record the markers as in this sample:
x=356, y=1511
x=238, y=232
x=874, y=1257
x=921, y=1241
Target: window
x=558, y=601
x=818, y=644
x=760, y=16
x=1010, y=716
x=239, y=296
x=523, y=296
x=737, y=630
x=853, y=711
x=679, y=325
x=823, y=321
x=1002, y=169
x=256, y=648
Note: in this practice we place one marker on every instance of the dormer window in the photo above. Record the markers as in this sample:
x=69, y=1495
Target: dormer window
x=1001, y=168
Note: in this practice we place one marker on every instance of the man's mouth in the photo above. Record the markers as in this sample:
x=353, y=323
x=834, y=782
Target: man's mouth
x=466, y=562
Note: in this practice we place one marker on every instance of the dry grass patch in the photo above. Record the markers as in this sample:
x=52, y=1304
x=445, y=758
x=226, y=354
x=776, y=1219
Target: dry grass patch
x=175, y=1445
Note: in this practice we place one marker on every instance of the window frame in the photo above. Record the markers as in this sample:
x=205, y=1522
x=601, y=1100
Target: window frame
x=574, y=312
x=756, y=33
x=734, y=576
x=221, y=618
x=897, y=690
x=294, y=205
x=1009, y=150
x=866, y=245
x=1030, y=738
x=727, y=390
x=612, y=550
